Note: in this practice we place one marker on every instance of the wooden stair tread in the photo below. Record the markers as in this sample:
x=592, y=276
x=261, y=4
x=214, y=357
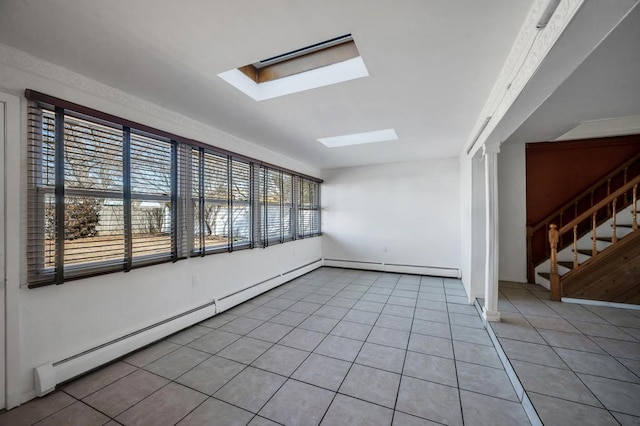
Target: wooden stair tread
x=585, y=252
x=566, y=264
x=545, y=275
x=606, y=239
x=623, y=226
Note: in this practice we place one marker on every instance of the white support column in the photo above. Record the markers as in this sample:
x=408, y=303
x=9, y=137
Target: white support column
x=14, y=189
x=490, y=309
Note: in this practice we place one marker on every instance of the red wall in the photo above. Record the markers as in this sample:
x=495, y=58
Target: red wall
x=559, y=171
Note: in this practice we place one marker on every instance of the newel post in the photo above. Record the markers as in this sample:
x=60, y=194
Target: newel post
x=556, y=291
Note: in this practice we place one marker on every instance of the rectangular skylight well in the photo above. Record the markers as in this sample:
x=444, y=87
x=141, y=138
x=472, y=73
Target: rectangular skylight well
x=304, y=51
x=360, y=138
x=307, y=58
x=321, y=64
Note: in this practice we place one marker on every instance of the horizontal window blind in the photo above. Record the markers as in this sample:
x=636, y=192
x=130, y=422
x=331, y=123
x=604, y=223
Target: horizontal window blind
x=152, y=209
x=286, y=205
x=308, y=208
x=106, y=194
x=240, y=204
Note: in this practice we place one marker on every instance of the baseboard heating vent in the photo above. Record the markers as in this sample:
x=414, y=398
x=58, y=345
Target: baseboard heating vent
x=315, y=262
x=437, y=271
x=248, y=288
x=230, y=300
x=364, y=262
x=47, y=376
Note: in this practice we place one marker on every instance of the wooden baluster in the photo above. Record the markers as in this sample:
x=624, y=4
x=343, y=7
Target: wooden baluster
x=554, y=278
x=608, y=193
x=614, y=237
x=626, y=198
x=575, y=246
x=635, y=208
x=561, y=240
x=546, y=243
x=594, y=247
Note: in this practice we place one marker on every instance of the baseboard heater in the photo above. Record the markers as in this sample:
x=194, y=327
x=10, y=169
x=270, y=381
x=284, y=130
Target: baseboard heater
x=237, y=297
x=436, y=271
x=49, y=375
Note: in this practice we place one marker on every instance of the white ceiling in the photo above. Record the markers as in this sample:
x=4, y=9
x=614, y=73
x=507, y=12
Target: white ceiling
x=432, y=64
x=600, y=98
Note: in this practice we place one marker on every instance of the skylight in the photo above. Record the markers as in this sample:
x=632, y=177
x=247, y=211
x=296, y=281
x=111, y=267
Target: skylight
x=301, y=60
x=321, y=64
x=360, y=138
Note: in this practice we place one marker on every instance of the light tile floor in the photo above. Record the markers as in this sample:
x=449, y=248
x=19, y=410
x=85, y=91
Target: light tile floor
x=334, y=347
x=579, y=364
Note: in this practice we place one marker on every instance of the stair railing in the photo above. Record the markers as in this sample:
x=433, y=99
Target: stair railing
x=573, y=208
x=555, y=234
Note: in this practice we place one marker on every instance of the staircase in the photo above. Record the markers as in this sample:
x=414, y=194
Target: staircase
x=602, y=259
x=594, y=227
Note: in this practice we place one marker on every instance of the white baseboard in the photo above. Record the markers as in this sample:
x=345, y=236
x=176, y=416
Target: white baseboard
x=600, y=303
x=48, y=375
x=233, y=299
x=396, y=268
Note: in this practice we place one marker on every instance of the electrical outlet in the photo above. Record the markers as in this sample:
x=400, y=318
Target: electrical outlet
x=384, y=249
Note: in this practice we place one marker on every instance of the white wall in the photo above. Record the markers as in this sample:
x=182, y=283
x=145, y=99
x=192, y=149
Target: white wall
x=401, y=213
x=55, y=322
x=512, y=212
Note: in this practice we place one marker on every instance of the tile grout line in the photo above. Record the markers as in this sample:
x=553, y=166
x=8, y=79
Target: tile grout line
x=246, y=366
x=273, y=344
x=571, y=369
x=353, y=362
x=532, y=414
x=326, y=335
x=109, y=384
x=455, y=364
x=312, y=290
x=210, y=356
x=404, y=361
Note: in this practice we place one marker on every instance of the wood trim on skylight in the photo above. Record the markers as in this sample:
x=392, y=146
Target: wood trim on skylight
x=301, y=60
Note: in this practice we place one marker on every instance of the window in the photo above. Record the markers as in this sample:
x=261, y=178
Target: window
x=308, y=208
x=105, y=195
x=152, y=210
x=99, y=197
x=276, y=206
x=240, y=203
x=221, y=202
